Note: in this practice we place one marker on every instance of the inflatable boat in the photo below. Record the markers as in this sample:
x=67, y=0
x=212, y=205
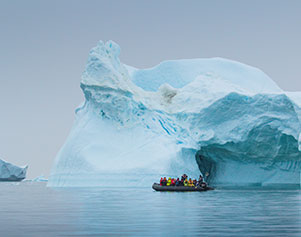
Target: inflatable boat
x=158, y=187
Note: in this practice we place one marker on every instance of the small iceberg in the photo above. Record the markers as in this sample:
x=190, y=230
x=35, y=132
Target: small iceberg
x=10, y=172
x=40, y=178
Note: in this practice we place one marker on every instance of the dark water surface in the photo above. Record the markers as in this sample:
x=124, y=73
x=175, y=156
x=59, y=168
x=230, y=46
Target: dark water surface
x=32, y=209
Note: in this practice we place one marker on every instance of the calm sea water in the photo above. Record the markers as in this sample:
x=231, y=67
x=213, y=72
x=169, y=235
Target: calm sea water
x=32, y=209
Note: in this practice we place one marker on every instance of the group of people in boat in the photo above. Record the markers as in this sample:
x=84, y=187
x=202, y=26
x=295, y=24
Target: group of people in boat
x=184, y=181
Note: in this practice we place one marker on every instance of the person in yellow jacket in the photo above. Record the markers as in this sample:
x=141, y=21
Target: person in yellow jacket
x=168, y=181
x=190, y=183
x=185, y=182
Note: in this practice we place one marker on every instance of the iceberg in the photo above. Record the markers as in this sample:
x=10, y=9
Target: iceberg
x=192, y=116
x=10, y=172
x=40, y=178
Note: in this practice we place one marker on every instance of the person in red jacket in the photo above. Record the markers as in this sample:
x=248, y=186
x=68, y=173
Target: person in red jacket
x=161, y=181
x=173, y=183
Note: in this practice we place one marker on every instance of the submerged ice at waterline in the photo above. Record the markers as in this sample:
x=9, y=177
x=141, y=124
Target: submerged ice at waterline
x=185, y=116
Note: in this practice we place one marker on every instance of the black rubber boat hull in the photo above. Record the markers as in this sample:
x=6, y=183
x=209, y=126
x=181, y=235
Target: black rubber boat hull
x=157, y=187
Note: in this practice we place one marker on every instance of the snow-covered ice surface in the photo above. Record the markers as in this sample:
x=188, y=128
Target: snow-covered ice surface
x=185, y=116
x=10, y=172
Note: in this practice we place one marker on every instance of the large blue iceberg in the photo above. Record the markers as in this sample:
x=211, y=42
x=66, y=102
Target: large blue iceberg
x=184, y=116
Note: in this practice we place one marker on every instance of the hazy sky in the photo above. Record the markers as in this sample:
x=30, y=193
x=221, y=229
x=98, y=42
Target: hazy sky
x=44, y=46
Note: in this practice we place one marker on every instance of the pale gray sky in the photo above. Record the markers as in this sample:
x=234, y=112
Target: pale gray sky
x=44, y=46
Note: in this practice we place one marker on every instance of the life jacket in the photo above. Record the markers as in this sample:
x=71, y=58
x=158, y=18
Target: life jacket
x=185, y=182
x=168, y=182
